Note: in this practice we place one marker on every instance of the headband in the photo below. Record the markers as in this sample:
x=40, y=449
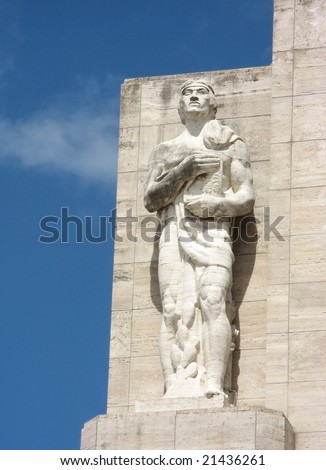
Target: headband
x=201, y=83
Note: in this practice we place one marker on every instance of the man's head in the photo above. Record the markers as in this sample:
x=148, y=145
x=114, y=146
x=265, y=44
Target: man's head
x=197, y=97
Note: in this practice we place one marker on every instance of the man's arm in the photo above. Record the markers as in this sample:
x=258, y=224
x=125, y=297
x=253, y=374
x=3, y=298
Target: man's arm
x=242, y=200
x=162, y=186
x=237, y=201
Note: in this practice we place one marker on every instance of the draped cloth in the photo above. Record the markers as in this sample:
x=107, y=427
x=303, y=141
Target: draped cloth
x=187, y=239
x=207, y=242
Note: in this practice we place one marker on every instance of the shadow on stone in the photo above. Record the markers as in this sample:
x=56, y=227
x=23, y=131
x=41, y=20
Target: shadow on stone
x=245, y=238
x=154, y=284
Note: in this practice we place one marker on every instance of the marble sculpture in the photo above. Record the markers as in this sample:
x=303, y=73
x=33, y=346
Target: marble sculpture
x=197, y=183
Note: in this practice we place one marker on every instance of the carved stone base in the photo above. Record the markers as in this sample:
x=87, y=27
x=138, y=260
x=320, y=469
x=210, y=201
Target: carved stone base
x=182, y=404
x=205, y=429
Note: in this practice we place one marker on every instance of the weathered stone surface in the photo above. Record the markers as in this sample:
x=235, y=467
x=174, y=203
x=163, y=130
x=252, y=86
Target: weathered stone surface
x=120, y=410
x=282, y=76
x=128, y=149
x=278, y=308
x=283, y=4
x=127, y=190
x=260, y=174
x=304, y=174
x=251, y=401
x=308, y=302
x=211, y=430
x=124, y=246
x=299, y=391
x=280, y=208
x=123, y=279
x=249, y=375
x=308, y=258
x=310, y=28
x=277, y=358
x=309, y=71
x=186, y=403
x=310, y=418
x=252, y=325
x=281, y=126
x=256, y=132
x=89, y=437
x=146, y=326
x=246, y=265
x=146, y=381
x=277, y=397
x=283, y=37
x=119, y=370
x=238, y=428
x=146, y=293
x=305, y=346
x=136, y=431
x=302, y=202
x=309, y=117
x=280, y=167
x=273, y=432
x=248, y=104
x=120, y=334
x=149, y=137
x=130, y=104
x=310, y=440
x=246, y=80
x=278, y=261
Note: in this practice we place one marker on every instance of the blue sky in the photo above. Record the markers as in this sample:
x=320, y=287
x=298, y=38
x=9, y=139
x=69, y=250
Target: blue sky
x=61, y=66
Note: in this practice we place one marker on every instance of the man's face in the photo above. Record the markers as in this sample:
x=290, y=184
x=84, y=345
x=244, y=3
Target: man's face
x=196, y=100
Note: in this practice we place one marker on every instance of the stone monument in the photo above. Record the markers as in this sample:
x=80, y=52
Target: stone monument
x=198, y=182
x=279, y=272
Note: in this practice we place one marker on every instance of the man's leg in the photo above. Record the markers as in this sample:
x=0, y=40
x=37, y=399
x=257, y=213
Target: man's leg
x=213, y=284
x=170, y=275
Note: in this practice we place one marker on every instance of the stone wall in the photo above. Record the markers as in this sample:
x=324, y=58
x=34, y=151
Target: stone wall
x=296, y=320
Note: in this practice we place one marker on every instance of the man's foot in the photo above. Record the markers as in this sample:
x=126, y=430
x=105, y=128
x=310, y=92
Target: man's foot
x=212, y=388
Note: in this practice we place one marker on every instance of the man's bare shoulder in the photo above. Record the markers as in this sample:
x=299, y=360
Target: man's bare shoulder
x=168, y=144
x=165, y=149
x=239, y=152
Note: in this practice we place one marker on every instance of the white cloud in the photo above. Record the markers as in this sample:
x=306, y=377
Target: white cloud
x=77, y=134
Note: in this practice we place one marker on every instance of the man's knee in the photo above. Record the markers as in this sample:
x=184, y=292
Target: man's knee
x=213, y=300
x=215, y=276
x=168, y=308
x=212, y=294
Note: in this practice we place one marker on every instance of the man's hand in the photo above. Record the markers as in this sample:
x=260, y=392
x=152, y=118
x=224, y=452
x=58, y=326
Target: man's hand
x=199, y=163
x=206, y=206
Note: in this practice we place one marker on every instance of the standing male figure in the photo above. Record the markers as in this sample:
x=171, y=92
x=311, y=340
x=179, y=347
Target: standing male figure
x=197, y=182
